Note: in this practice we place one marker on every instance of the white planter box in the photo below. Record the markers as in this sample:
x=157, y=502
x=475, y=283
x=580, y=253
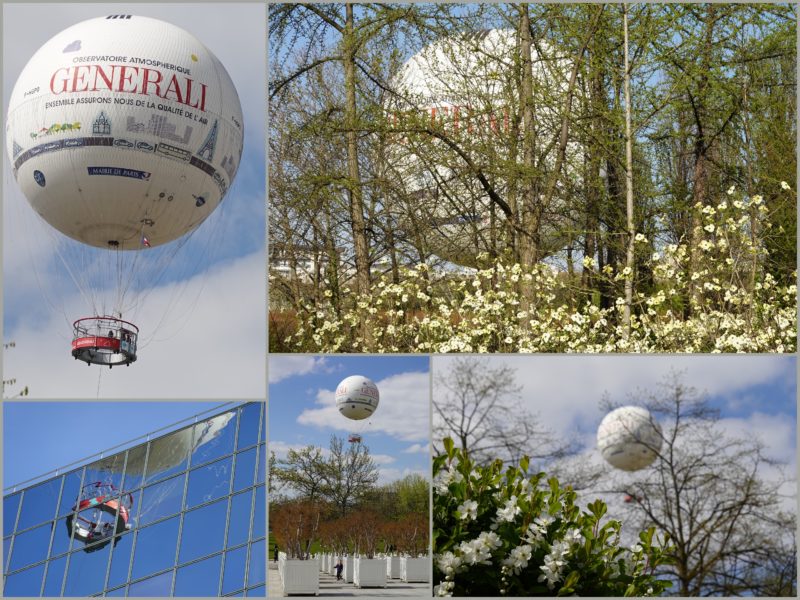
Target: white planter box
x=299, y=576
x=332, y=566
x=324, y=566
x=347, y=572
x=393, y=567
x=369, y=572
x=415, y=569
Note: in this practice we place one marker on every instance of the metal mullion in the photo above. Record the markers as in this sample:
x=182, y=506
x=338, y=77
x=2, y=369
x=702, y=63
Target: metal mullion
x=135, y=534
x=52, y=536
x=182, y=513
x=6, y=560
x=239, y=413
x=68, y=557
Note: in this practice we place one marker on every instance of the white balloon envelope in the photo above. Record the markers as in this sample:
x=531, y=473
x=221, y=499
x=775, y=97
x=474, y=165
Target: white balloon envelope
x=124, y=132
x=357, y=397
x=629, y=438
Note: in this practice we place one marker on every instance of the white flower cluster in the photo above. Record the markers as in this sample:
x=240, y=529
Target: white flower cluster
x=711, y=293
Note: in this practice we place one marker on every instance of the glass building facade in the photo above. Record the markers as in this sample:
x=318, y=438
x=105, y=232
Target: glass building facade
x=183, y=514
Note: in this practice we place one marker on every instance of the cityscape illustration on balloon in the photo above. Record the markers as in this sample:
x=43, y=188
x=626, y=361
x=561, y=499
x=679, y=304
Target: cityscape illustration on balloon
x=124, y=134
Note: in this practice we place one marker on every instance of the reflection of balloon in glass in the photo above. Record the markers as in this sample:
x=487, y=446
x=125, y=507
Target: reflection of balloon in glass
x=170, y=450
x=629, y=438
x=124, y=133
x=357, y=397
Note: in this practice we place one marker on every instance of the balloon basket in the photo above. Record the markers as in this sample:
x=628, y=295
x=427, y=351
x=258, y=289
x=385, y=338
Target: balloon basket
x=104, y=341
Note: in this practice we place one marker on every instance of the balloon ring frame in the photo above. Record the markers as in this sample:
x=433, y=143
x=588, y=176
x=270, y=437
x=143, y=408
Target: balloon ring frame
x=104, y=499
x=107, y=341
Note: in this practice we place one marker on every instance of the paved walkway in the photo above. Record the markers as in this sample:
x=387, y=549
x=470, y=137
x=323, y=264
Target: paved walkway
x=328, y=586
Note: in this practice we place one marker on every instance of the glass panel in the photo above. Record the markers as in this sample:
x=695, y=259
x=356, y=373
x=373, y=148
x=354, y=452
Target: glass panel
x=24, y=583
x=160, y=585
x=54, y=577
x=239, y=519
x=120, y=560
x=155, y=547
x=262, y=463
x=161, y=500
x=6, y=546
x=260, y=518
x=71, y=492
x=258, y=563
x=233, y=579
x=60, y=537
x=107, y=470
x=245, y=469
x=208, y=482
x=39, y=503
x=134, y=471
x=168, y=455
x=203, y=531
x=30, y=547
x=200, y=578
x=116, y=592
x=10, y=506
x=86, y=571
x=213, y=438
x=248, y=426
x=258, y=592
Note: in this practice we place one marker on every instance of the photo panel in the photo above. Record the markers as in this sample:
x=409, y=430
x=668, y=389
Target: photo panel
x=349, y=505
x=134, y=199
x=179, y=511
x=610, y=475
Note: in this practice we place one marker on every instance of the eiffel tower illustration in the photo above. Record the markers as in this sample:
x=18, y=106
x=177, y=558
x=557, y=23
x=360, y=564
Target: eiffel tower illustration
x=207, y=149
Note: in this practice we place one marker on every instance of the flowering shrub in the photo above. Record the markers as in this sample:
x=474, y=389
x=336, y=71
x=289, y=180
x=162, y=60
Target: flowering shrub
x=734, y=304
x=502, y=532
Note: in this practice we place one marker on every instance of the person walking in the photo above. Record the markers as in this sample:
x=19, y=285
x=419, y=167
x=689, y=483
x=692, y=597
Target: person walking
x=339, y=567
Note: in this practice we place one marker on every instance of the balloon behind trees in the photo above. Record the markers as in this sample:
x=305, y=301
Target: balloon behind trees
x=124, y=132
x=628, y=438
x=357, y=397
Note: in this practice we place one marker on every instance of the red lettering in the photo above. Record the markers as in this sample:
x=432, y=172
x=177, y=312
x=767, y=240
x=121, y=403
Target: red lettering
x=124, y=78
x=174, y=88
x=63, y=81
x=108, y=79
x=147, y=81
x=78, y=75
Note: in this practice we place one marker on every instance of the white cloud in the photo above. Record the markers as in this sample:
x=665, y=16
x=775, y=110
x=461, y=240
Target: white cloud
x=403, y=412
x=389, y=475
x=418, y=449
x=383, y=459
x=283, y=367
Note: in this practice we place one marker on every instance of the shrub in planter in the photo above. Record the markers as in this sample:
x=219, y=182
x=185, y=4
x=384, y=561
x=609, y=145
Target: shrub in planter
x=500, y=531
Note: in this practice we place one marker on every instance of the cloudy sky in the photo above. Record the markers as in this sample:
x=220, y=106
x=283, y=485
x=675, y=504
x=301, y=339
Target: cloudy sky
x=302, y=408
x=203, y=327
x=756, y=395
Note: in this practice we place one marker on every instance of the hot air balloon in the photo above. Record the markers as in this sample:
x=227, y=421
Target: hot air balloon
x=357, y=399
x=464, y=87
x=124, y=134
x=629, y=438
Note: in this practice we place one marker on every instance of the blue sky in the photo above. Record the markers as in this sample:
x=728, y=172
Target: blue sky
x=212, y=292
x=42, y=436
x=302, y=408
